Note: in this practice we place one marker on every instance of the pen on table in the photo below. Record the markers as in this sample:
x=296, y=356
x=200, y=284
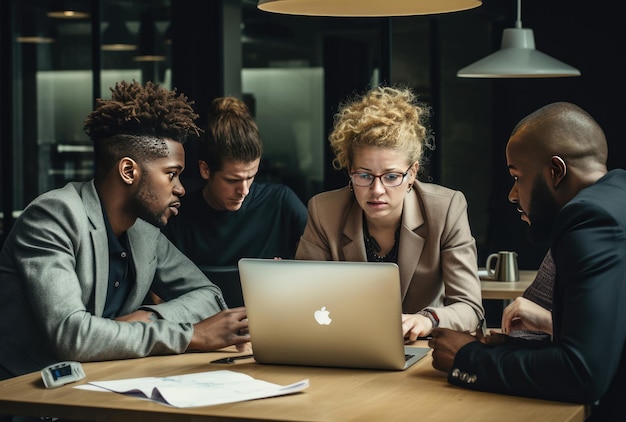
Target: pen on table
x=221, y=303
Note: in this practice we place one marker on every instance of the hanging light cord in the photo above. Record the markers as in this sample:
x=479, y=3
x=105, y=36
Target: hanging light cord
x=518, y=22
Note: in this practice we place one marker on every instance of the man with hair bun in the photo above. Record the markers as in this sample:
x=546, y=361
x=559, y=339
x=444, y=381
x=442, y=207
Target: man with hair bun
x=80, y=261
x=230, y=216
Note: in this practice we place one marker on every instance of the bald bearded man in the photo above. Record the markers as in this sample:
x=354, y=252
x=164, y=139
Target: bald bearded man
x=557, y=157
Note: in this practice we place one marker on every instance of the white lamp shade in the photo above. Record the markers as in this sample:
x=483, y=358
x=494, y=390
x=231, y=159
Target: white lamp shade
x=518, y=58
x=365, y=8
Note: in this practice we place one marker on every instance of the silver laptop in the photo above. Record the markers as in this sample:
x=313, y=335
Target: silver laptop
x=326, y=313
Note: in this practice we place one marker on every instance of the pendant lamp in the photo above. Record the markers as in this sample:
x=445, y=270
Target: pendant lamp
x=35, y=28
x=518, y=58
x=69, y=9
x=365, y=8
x=117, y=37
x=151, y=46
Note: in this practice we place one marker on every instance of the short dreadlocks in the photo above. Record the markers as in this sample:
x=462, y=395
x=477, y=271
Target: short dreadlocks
x=136, y=121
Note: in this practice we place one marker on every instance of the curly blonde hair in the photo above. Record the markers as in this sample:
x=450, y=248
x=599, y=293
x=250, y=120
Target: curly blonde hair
x=384, y=117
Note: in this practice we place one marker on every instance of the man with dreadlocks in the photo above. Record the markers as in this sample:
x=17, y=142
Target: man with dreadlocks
x=80, y=261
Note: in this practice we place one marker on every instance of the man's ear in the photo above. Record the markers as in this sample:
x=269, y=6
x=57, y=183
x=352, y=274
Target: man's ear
x=558, y=170
x=128, y=170
x=205, y=172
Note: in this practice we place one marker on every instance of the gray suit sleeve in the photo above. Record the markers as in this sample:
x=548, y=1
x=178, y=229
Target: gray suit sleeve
x=53, y=280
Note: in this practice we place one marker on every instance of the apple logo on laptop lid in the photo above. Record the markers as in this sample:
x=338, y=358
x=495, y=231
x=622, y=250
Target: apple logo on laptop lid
x=322, y=316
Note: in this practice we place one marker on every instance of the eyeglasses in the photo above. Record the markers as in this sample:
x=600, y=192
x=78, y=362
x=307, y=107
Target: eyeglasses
x=390, y=180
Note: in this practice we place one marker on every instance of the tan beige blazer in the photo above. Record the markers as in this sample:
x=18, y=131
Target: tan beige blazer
x=437, y=252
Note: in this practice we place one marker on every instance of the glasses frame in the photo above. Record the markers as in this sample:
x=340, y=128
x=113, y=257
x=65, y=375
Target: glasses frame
x=380, y=177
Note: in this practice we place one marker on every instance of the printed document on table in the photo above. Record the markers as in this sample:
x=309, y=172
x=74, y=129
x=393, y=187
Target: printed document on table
x=200, y=389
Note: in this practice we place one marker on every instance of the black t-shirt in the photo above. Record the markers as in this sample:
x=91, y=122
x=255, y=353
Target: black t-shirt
x=268, y=225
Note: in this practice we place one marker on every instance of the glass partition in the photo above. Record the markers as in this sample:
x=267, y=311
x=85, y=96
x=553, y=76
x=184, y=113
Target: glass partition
x=58, y=66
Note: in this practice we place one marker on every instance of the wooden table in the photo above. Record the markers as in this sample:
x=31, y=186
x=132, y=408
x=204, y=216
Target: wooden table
x=507, y=290
x=419, y=393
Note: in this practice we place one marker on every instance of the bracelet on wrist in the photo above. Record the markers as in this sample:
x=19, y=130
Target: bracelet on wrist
x=431, y=315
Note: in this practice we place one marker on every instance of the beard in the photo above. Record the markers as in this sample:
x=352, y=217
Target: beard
x=542, y=212
x=142, y=201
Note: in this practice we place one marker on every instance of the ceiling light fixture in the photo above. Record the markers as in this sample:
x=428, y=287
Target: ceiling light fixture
x=151, y=48
x=117, y=37
x=69, y=9
x=518, y=58
x=34, y=39
x=365, y=8
x=35, y=28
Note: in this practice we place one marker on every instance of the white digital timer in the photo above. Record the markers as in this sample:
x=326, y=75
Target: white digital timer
x=62, y=373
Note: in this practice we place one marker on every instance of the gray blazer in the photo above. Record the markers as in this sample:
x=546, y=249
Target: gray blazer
x=437, y=253
x=53, y=282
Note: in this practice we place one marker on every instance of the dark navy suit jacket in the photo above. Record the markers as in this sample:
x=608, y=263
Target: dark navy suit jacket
x=585, y=362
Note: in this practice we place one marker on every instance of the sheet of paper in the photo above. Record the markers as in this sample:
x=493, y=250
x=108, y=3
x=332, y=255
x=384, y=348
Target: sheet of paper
x=201, y=389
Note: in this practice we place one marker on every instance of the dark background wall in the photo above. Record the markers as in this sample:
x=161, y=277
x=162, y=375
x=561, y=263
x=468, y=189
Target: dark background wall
x=472, y=118
x=589, y=37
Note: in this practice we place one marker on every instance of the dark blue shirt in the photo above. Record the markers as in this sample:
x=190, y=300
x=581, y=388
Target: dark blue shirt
x=121, y=272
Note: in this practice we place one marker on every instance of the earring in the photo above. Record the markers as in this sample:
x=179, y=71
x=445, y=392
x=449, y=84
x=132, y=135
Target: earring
x=350, y=185
x=409, y=189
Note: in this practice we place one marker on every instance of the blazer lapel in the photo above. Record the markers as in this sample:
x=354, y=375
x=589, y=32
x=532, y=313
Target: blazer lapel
x=354, y=246
x=142, y=252
x=411, y=244
x=99, y=242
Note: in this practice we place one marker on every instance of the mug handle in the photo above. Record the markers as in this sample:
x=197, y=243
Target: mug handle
x=490, y=258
